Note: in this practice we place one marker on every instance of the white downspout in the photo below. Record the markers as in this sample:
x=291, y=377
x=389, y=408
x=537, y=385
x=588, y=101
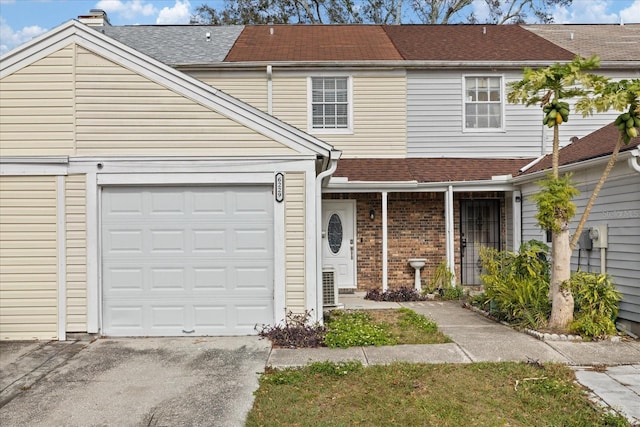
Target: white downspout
x=385, y=263
x=319, y=178
x=269, y=89
x=633, y=160
x=516, y=203
x=449, y=225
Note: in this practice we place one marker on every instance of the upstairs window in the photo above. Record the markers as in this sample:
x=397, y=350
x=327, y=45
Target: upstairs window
x=483, y=103
x=330, y=107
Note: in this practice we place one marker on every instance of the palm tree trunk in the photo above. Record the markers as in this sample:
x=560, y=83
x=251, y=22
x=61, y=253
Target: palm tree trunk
x=594, y=193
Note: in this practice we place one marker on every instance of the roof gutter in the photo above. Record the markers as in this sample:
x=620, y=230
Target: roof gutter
x=633, y=160
x=575, y=166
x=406, y=64
x=502, y=183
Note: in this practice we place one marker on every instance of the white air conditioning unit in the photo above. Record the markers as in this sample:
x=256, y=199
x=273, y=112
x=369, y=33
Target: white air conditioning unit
x=329, y=288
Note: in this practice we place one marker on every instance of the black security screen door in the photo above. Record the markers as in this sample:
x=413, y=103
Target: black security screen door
x=479, y=226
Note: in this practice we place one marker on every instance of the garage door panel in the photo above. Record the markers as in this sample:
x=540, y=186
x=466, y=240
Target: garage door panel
x=123, y=279
x=127, y=203
x=209, y=240
x=167, y=202
x=167, y=240
x=208, y=269
x=123, y=241
x=168, y=279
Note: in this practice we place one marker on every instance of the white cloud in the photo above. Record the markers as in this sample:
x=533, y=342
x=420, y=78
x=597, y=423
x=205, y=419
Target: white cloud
x=632, y=13
x=585, y=12
x=480, y=10
x=180, y=13
x=10, y=38
x=128, y=9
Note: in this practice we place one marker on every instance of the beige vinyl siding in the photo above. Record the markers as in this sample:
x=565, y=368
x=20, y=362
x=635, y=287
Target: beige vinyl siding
x=247, y=86
x=379, y=112
x=76, y=253
x=295, y=241
x=122, y=113
x=28, y=258
x=36, y=112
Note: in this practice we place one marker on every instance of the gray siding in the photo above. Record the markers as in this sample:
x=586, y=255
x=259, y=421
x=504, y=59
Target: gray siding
x=435, y=128
x=617, y=206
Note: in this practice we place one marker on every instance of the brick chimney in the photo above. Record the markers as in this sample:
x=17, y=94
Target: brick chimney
x=95, y=18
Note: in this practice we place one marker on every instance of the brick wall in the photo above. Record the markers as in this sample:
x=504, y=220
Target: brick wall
x=416, y=229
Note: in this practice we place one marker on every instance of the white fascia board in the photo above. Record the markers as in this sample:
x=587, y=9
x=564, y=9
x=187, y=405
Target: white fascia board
x=416, y=187
x=585, y=164
x=232, y=108
x=141, y=166
x=183, y=178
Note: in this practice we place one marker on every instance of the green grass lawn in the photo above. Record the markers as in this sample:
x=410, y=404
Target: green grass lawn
x=349, y=328
x=480, y=394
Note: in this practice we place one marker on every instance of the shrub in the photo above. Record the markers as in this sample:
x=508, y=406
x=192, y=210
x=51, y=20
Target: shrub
x=355, y=328
x=516, y=285
x=296, y=332
x=395, y=295
x=596, y=304
x=441, y=283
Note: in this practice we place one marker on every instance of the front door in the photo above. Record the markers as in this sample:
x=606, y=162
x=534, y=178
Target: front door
x=338, y=240
x=479, y=226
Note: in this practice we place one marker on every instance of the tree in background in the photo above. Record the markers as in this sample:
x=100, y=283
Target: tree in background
x=551, y=87
x=245, y=12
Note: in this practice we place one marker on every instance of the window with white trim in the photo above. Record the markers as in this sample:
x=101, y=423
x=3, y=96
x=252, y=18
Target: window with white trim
x=483, y=103
x=330, y=103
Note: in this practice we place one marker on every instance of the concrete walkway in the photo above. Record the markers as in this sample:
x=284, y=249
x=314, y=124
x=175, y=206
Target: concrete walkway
x=615, y=381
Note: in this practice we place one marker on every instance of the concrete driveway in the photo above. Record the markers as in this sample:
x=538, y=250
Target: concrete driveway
x=128, y=382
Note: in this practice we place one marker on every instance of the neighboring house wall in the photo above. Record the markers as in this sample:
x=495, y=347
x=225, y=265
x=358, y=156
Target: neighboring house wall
x=617, y=206
x=76, y=252
x=378, y=105
x=28, y=258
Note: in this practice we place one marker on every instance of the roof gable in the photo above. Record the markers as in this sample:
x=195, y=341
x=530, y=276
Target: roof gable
x=313, y=43
x=472, y=43
x=610, y=42
x=244, y=114
x=597, y=144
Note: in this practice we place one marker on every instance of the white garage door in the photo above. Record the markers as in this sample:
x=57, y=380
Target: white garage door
x=186, y=261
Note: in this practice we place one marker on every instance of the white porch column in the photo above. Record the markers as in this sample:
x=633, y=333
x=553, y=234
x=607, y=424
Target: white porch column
x=385, y=275
x=450, y=232
x=516, y=203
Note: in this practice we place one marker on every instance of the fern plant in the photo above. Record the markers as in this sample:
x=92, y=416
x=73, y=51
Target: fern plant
x=516, y=285
x=596, y=302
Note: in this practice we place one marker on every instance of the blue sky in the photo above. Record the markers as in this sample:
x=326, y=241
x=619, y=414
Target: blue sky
x=21, y=20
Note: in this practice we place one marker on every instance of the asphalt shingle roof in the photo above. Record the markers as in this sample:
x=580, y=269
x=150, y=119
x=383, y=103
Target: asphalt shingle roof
x=427, y=169
x=473, y=43
x=177, y=44
x=610, y=42
x=313, y=43
x=597, y=144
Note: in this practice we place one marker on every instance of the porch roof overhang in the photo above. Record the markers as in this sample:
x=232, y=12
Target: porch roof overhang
x=424, y=175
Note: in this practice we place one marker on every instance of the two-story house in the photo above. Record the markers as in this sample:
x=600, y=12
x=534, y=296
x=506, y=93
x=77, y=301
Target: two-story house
x=188, y=181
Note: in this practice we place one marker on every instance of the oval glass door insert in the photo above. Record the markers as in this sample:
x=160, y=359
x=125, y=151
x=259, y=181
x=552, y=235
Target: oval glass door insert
x=334, y=233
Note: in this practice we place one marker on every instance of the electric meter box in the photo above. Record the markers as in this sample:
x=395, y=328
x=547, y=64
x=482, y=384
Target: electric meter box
x=598, y=234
